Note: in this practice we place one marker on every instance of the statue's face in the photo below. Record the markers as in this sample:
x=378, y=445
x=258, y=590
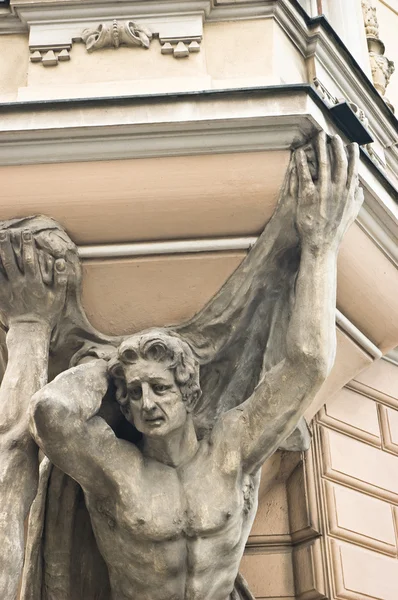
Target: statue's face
x=155, y=404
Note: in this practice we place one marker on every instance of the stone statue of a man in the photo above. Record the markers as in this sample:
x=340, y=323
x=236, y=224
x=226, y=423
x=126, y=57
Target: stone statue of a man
x=172, y=513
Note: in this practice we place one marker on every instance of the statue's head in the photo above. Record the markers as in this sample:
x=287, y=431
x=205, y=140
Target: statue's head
x=157, y=381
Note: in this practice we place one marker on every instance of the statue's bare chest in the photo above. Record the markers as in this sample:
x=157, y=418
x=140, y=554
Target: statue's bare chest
x=165, y=504
x=191, y=502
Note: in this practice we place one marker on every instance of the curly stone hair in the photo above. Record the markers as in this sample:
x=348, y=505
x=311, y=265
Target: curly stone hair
x=160, y=346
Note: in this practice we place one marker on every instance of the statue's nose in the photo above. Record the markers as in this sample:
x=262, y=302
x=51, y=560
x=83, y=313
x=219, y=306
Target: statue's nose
x=147, y=398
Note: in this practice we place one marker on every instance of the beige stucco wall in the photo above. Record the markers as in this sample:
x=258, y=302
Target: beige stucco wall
x=14, y=64
x=233, y=54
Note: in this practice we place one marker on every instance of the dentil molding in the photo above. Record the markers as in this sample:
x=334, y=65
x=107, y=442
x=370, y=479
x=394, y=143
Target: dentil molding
x=179, y=36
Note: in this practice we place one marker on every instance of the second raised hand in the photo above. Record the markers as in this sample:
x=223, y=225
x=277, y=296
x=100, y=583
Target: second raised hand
x=28, y=291
x=328, y=201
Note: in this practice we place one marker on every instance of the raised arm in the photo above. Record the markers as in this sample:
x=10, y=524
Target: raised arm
x=326, y=205
x=65, y=424
x=32, y=295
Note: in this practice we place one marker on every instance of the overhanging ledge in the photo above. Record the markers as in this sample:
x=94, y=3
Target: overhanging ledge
x=249, y=119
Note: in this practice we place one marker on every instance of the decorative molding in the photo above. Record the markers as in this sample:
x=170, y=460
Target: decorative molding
x=372, y=393
x=303, y=516
x=357, y=335
x=312, y=38
x=324, y=93
x=348, y=535
x=342, y=427
x=382, y=68
x=338, y=575
x=305, y=525
x=31, y=135
x=220, y=121
x=169, y=247
x=355, y=569
x=388, y=443
x=392, y=357
x=9, y=23
x=50, y=58
x=352, y=482
x=309, y=571
x=181, y=49
x=177, y=35
x=115, y=34
x=268, y=542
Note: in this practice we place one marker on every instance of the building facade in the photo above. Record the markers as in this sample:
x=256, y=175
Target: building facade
x=158, y=134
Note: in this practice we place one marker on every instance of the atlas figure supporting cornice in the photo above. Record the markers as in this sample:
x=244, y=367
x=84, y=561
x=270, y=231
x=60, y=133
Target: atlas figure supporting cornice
x=153, y=443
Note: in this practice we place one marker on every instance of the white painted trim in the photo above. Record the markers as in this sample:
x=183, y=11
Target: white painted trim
x=66, y=11
x=219, y=125
x=357, y=335
x=170, y=247
x=10, y=24
x=216, y=123
x=392, y=360
x=384, y=238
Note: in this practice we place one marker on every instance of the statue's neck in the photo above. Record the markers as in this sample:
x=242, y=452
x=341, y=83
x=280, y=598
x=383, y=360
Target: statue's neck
x=174, y=449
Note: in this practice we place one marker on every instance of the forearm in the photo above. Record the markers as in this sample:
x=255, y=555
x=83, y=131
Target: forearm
x=26, y=373
x=311, y=333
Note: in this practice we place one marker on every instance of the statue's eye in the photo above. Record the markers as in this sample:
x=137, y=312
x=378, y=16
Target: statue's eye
x=135, y=392
x=158, y=388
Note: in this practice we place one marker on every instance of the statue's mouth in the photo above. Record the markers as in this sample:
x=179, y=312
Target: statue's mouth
x=155, y=420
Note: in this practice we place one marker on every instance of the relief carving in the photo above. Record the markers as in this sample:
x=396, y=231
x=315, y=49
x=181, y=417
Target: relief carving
x=382, y=68
x=153, y=442
x=115, y=34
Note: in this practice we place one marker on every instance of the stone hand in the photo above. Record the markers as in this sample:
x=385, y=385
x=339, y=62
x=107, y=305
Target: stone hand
x=328, y=196
x=32, y=283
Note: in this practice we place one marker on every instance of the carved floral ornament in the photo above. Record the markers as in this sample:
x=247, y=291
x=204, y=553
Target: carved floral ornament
x=114, y=34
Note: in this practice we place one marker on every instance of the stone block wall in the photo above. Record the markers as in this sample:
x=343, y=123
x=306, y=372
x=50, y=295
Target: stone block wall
x=356, y=440
x=327, y=524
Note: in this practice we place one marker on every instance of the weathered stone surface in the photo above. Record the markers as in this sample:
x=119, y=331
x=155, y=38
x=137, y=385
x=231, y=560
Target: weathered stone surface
x=165, y=431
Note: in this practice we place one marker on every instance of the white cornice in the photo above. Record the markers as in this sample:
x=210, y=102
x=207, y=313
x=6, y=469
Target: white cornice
x=313, y=39
x=63, y=11
x=9, y=23
x=216, y=123
x=152, y=126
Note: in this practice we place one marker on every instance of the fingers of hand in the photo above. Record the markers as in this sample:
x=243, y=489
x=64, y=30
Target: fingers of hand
x=293, y=182
x=60, y=273
x=286, y=183
x=29, y=254
x=353, y=166
x=304, y=176
x=340, y=162
x=7, y=256
x=46, y=263
x=323, y=161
